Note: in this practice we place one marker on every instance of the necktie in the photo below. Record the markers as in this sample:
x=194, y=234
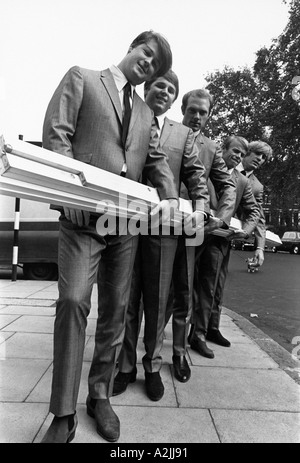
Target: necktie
x=127, y=112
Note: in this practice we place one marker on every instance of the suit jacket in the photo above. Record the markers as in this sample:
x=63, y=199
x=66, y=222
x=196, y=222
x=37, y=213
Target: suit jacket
x=178, y=142
x=84, y=121
x=260, y=230
x=211, y=156
x=245, y=201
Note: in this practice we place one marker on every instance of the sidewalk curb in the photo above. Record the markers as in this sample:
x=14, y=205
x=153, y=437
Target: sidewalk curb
x=286, y=361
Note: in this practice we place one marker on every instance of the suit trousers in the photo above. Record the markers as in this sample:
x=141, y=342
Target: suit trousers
x=180, y=302
x=128, y=355
x=214, y=321
x=158, y=254
x=81, y=249
x=208, y=262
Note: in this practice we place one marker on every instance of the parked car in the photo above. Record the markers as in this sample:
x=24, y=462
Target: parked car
x=290, y=243
x=243, y=245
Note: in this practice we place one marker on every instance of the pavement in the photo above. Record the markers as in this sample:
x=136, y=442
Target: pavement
x=249, y=393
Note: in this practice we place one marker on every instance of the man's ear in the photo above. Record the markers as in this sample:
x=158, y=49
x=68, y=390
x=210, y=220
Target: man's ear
x=182, y=110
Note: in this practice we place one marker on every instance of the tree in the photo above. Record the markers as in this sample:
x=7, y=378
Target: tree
x=275, y=69
x=260, y=103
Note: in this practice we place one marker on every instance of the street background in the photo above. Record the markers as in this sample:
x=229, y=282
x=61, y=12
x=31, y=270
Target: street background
x=272, y=294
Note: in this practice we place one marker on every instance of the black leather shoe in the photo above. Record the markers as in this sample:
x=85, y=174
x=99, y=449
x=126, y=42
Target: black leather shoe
x=202, y=349
x=154, y=386
x=216, y=337
x=122, y=380
x=108, y=424
x=61, y=430
x=182, y=370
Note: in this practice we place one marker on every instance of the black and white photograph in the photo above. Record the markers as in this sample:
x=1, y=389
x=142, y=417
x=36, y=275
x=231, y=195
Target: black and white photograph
x=150, y=224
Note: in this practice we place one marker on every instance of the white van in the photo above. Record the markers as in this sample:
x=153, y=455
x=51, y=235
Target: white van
x=37, y=238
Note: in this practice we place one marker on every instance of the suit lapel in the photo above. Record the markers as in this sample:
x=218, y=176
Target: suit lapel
x=109, y=84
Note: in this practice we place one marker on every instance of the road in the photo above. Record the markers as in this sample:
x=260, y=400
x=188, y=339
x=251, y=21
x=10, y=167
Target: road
x=272, y=293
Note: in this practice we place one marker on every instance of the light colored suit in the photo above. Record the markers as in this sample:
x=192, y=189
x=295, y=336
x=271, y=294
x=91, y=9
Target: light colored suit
x=84, y=121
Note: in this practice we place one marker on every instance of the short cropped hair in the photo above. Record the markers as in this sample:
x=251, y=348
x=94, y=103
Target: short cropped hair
x=235, y=138
x=170, y=76
x=198, y=93
x=261, y=147
x=164, y=49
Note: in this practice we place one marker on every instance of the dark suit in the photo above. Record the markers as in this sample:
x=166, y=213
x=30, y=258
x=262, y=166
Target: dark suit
x=155, y=259
x=211, y=287
x=211, y=156
x=258, y=193
x=84, y=121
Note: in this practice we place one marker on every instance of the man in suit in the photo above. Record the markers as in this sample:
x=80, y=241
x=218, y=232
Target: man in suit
x=84, y=120
x=196, y=109
x=155, y=259
x=258, y=153
x=214, y=272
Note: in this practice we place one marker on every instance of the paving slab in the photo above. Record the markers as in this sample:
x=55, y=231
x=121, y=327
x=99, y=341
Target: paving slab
x=20, y=422
x=19, y=376
x=27, y=310
x=244, y=426
x=28, y=345
x=31, y=324
x=238, y=355
x=237, y=388
x=156, y=425
x=23, y=302
x=6, y=320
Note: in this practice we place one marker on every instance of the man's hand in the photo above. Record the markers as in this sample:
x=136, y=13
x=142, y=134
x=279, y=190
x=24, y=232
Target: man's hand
x=213, y=224
x=76, y=216
x=237, y=235
x=163, y=212
x=259, y=256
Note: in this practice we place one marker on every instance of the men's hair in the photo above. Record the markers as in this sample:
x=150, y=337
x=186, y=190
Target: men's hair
x=260, y=147
x=170, y=76
x=235, y=138
x=164, y=49
x=198, y=93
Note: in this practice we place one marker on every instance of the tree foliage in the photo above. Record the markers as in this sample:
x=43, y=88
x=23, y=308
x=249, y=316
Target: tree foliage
x=259, y=103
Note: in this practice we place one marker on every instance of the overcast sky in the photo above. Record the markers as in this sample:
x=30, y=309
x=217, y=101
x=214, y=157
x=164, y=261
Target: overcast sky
x=42, y=39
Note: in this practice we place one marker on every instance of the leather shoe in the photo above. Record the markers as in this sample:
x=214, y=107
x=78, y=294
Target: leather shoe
x=61, y=430
x=182, y=370
x=202, y=349
x=154, y=386
x=216, y=337
x=108, y=424
x=122, y=380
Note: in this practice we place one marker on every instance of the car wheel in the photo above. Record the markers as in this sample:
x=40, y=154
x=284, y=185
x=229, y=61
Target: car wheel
x=40, y=271
x=295, y=250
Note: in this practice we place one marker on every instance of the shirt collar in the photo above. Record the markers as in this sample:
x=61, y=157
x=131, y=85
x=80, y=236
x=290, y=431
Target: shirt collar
x=120, y=79
x=240, y=167
x=161, y=120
